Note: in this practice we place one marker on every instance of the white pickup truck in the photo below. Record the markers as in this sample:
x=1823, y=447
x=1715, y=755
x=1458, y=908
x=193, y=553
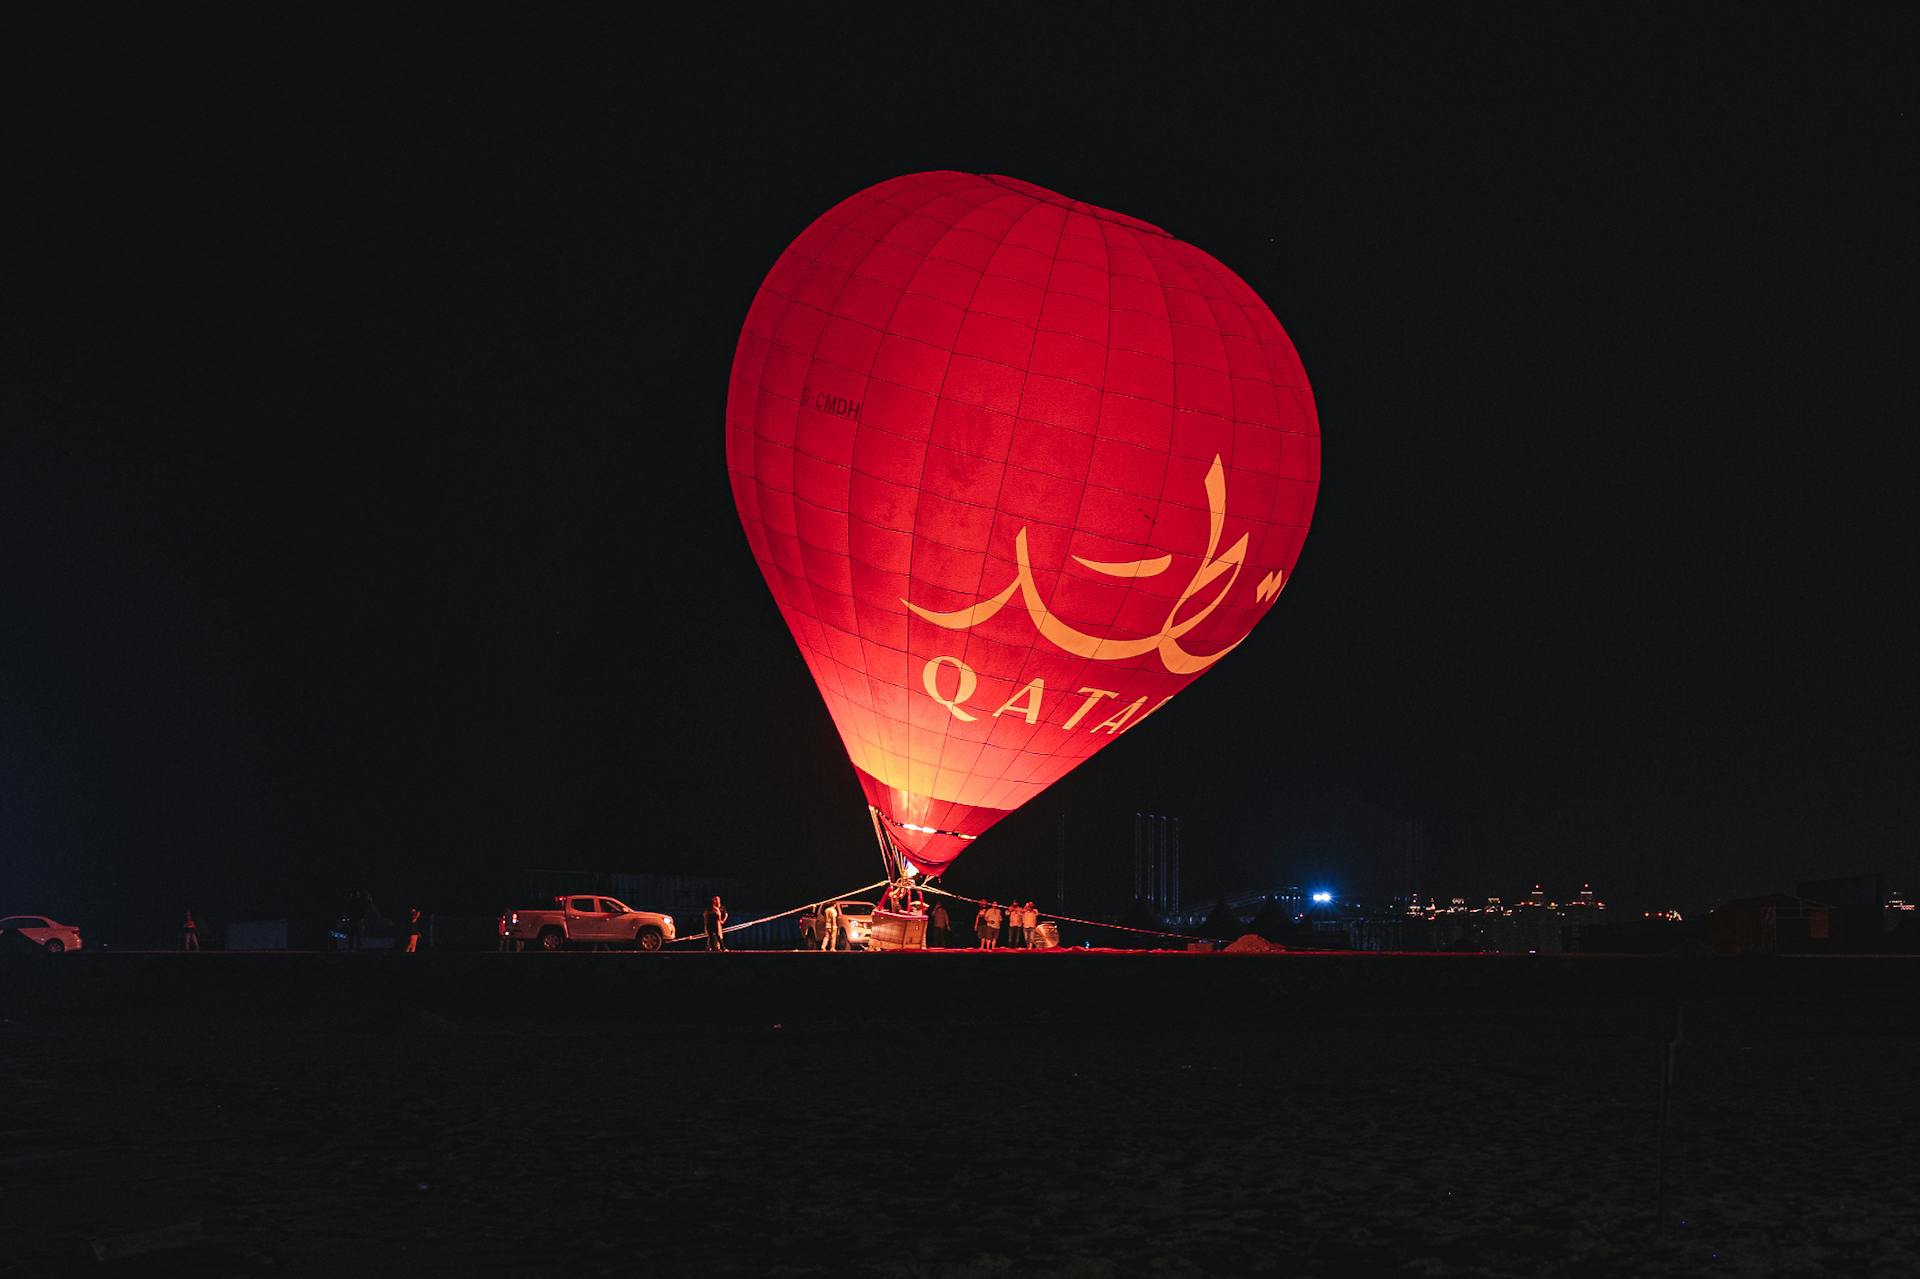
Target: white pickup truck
x=585, y=921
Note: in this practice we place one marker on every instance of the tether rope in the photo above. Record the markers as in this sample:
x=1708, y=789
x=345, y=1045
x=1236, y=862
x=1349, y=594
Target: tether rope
x=752, y=923
x=1068, y=919
x=929, y=888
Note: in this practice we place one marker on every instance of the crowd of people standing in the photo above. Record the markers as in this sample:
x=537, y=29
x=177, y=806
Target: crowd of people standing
x=1012, y=925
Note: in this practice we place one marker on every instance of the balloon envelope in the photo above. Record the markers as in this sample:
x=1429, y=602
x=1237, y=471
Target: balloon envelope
x=1017, y=470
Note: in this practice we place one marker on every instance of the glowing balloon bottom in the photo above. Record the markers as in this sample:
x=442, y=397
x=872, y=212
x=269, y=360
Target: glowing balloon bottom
x=930, y=832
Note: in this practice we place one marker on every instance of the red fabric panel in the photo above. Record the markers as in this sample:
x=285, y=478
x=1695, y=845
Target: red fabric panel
x=958, y=393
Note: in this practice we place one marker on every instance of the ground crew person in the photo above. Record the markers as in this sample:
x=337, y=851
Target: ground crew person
x=830, y=927
x=715, y=920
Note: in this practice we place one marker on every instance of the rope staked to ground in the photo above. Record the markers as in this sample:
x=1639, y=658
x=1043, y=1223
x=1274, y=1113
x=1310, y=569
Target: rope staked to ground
x=929, y=888
x=768, y=919
x=1069, y=919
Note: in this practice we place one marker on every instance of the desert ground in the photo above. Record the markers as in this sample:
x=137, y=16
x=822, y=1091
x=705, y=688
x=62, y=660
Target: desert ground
x=956, y=1115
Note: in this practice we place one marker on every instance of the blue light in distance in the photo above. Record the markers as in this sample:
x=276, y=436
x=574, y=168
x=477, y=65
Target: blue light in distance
x=1322, y=898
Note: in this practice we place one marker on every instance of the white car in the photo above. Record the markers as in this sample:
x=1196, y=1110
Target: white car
x=38, y=928
x=593, y=920
x=856, y=921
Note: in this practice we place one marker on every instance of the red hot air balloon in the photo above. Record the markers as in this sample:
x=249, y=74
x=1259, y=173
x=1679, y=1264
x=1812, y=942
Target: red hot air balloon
x=1017, y=470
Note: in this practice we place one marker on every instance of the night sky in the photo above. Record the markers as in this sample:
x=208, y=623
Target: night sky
x=364, y=424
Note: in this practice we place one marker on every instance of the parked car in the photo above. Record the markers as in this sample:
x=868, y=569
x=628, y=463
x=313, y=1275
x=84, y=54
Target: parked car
x=856, y=924
x=586, y=920
x=376, y=933
x=38, y=928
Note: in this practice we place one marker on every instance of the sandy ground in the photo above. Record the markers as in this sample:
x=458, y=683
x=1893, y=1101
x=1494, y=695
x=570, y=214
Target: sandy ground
x=1390, y=1140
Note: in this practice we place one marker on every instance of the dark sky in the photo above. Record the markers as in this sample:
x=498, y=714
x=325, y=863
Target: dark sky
x=366, y=404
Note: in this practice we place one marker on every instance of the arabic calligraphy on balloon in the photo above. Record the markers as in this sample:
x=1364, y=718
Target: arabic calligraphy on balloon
x=1165, y=641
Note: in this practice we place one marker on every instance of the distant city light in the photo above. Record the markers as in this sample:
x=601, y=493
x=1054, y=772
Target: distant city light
x=1323, y=898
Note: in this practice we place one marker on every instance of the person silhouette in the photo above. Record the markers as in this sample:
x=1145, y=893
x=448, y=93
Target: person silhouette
x=359, y=903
